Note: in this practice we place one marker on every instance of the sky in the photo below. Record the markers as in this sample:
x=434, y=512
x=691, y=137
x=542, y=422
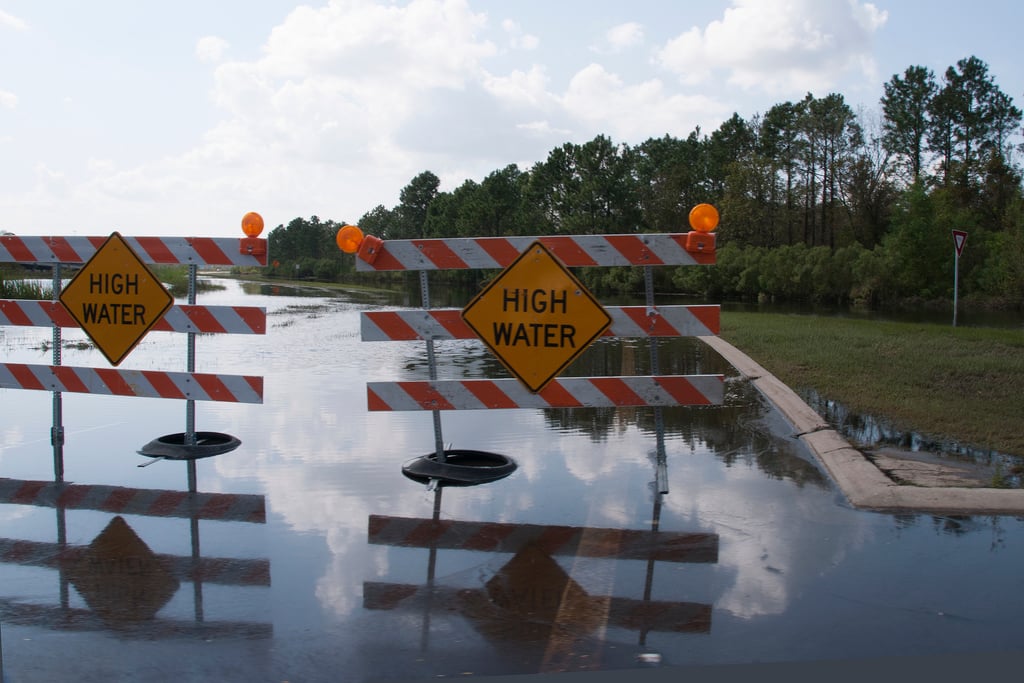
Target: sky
x=178, y=118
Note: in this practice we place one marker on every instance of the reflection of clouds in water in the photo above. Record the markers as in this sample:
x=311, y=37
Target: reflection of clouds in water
x=622, y=448
x=11, y=513
x=326, y=464
x=318, y=497
x=769, y=549
x=335, y=588
x=583, y=459
x=12, y=435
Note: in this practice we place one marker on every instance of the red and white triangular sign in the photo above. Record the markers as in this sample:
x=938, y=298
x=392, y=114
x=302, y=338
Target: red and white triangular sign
x=959, y=240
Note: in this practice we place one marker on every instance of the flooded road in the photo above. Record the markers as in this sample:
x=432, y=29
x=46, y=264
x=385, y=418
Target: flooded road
x=308, y=555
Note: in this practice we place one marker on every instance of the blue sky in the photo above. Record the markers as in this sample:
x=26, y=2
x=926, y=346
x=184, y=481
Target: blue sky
x=177, y=118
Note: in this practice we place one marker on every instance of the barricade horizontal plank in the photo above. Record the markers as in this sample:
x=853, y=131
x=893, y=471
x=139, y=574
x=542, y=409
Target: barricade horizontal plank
x=497, y=537
x=225, y=571
x=199, y=251
x=640, y=249
x=224, y=507
x=214, y=320
x=574, y=392
x=76, y=619
x=627, y=321
x=184, y=318
x=477, y=604
x=193, y=386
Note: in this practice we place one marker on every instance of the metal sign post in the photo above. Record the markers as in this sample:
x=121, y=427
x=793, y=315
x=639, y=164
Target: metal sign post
x=959, y=240
x=432, y=371
x=57, y=429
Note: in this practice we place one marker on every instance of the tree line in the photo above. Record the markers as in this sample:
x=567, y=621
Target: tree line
x=818, y=201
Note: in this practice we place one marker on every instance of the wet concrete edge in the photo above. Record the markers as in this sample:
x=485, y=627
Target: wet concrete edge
x=861, y=482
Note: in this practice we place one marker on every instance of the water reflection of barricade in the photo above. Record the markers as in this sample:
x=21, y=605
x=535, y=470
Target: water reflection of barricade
x=123, y=583
x=531, y=600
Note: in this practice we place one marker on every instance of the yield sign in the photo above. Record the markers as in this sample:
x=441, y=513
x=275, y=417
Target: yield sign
x=116, y=299
x=959, y=240
x=536, y=317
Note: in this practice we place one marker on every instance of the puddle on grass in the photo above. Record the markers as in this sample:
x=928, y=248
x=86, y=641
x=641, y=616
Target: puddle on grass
x=869, y=431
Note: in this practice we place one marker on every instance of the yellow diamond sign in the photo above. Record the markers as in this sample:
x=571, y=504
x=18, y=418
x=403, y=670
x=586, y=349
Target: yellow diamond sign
x=536, y=317
x=116, y=299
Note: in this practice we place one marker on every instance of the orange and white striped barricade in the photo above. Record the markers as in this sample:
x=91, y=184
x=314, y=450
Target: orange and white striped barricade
x=189, y=318
x=574, y=251
x=551, y=256
x=192, y=319
x=641, y=249
x=193, y=251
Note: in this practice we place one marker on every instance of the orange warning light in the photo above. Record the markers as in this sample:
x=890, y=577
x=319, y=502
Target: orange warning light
x=704, y=218
x=349, y=238
x=252, y=224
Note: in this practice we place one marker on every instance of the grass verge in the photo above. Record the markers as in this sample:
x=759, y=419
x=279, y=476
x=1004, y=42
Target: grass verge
x=965, y=384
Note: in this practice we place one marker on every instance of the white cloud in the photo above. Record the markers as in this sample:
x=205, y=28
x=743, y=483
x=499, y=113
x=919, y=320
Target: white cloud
x=9, y=100
x=348, y=101
x=635, y=112
x=11, y=21
x=311, y=126
x=211, y=48
x=339, y=80
x=428, y=43
x=525, y=88
x=50, y=182
x=778, y=46
x=100, y=165
x=517, y=39
x=624, y=36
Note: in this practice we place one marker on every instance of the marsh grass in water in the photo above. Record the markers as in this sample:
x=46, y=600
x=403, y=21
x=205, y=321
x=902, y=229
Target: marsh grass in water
x=175, y=279
x=958, y=383
x=17, y=285
x=18, y=288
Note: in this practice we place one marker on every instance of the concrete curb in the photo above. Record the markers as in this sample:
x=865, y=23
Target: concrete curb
x=863, y=484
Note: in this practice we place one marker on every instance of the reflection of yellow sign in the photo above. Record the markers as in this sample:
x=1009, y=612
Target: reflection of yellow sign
x=534, y=587
x=119, y=576
x=532, y=599
x=116, y=299
x=536, y=317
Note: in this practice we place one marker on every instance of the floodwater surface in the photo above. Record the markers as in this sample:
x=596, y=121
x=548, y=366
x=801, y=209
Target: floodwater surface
x=308, y=556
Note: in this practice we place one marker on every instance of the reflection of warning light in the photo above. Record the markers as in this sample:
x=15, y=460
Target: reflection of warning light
x=119, y=577
x=351, y=240
x=703, y=220
x=252, y=226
